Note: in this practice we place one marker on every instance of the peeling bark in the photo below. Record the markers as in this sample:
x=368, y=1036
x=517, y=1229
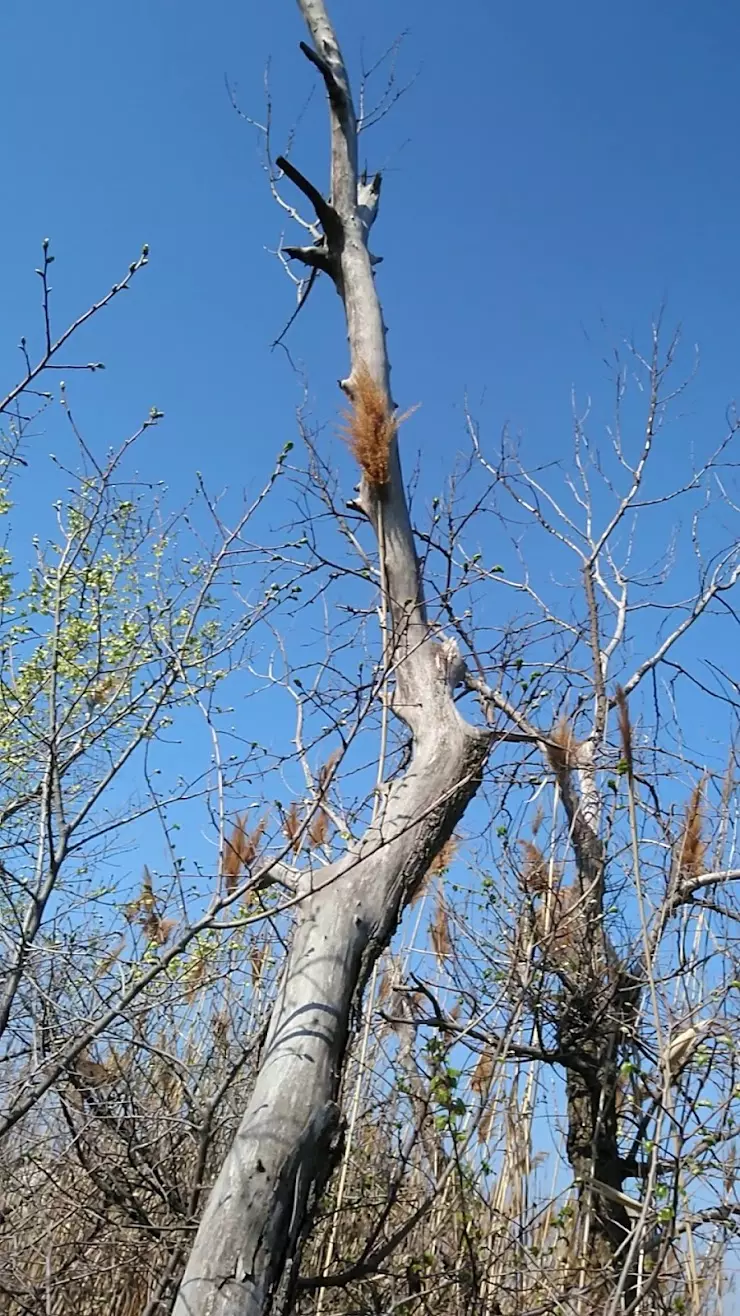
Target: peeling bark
x=282, y=1154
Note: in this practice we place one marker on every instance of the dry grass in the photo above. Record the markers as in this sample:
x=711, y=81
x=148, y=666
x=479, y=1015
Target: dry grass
x=489, y=1241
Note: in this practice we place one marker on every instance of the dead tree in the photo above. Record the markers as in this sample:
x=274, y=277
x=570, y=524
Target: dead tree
x=252, y=1226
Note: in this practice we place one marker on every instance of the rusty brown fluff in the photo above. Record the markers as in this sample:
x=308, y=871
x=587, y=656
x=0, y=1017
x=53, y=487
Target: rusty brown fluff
x=534, y=870
x=444, y=856
x=561, y=745
x=440, y=930
x=292, y=827
x=692, y=847
x=258, y=957
x=318, y=831
x=326, y=771
x=240, y=850
x=481, y=1077
x=158, y=930
x=439, y=865
x=370, y=427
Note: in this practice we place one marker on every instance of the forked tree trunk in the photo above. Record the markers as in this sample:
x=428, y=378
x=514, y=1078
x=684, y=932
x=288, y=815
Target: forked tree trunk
x=257, y=1210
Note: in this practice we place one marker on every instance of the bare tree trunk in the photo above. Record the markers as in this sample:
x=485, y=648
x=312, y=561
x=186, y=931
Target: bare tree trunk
x=282, y=1154
x=598, y=1003
x=590, y=1029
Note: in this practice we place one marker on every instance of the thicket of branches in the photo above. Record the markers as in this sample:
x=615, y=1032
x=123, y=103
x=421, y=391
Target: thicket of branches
x=539, y=1092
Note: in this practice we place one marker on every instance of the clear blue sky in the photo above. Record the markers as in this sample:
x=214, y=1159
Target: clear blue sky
x=552, y=166
x=553, y=175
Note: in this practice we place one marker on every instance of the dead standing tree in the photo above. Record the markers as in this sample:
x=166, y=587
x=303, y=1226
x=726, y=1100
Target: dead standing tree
x=254, y=1220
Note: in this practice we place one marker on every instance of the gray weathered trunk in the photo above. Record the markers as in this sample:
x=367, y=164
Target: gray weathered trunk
x=282, y=1152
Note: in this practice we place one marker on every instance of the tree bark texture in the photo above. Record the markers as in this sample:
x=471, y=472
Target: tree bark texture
x=257, y=1211
x=598, y=1003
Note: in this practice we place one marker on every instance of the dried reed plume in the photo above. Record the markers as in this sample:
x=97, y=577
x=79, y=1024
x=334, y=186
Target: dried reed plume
x=444, y=856
x=388, y=976
x=158, y=930
x=292, y=828
x=370, y=427
x=481, y=1079
x=326, y=771
x=146, y=898
x=318, y=832
x=534, y=868
x=440, y=930
x=439, y=865
x=692, y=848
x=258, y=957
x=143, y=910
x=561, y=745
x=240, y=850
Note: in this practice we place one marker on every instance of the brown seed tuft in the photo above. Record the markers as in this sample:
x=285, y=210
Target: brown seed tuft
x=292, y=828
x=692, y=848
x=534, y=868
x=240, y=850
x=327, y=769
x=440, y=930
x=158, y=930
x=146, y=898
x=370, y=427
x=561, y=745
x=258, y=957
x=318, y=831
x=482, y=1073
x=444, y=856
x=439, y=865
